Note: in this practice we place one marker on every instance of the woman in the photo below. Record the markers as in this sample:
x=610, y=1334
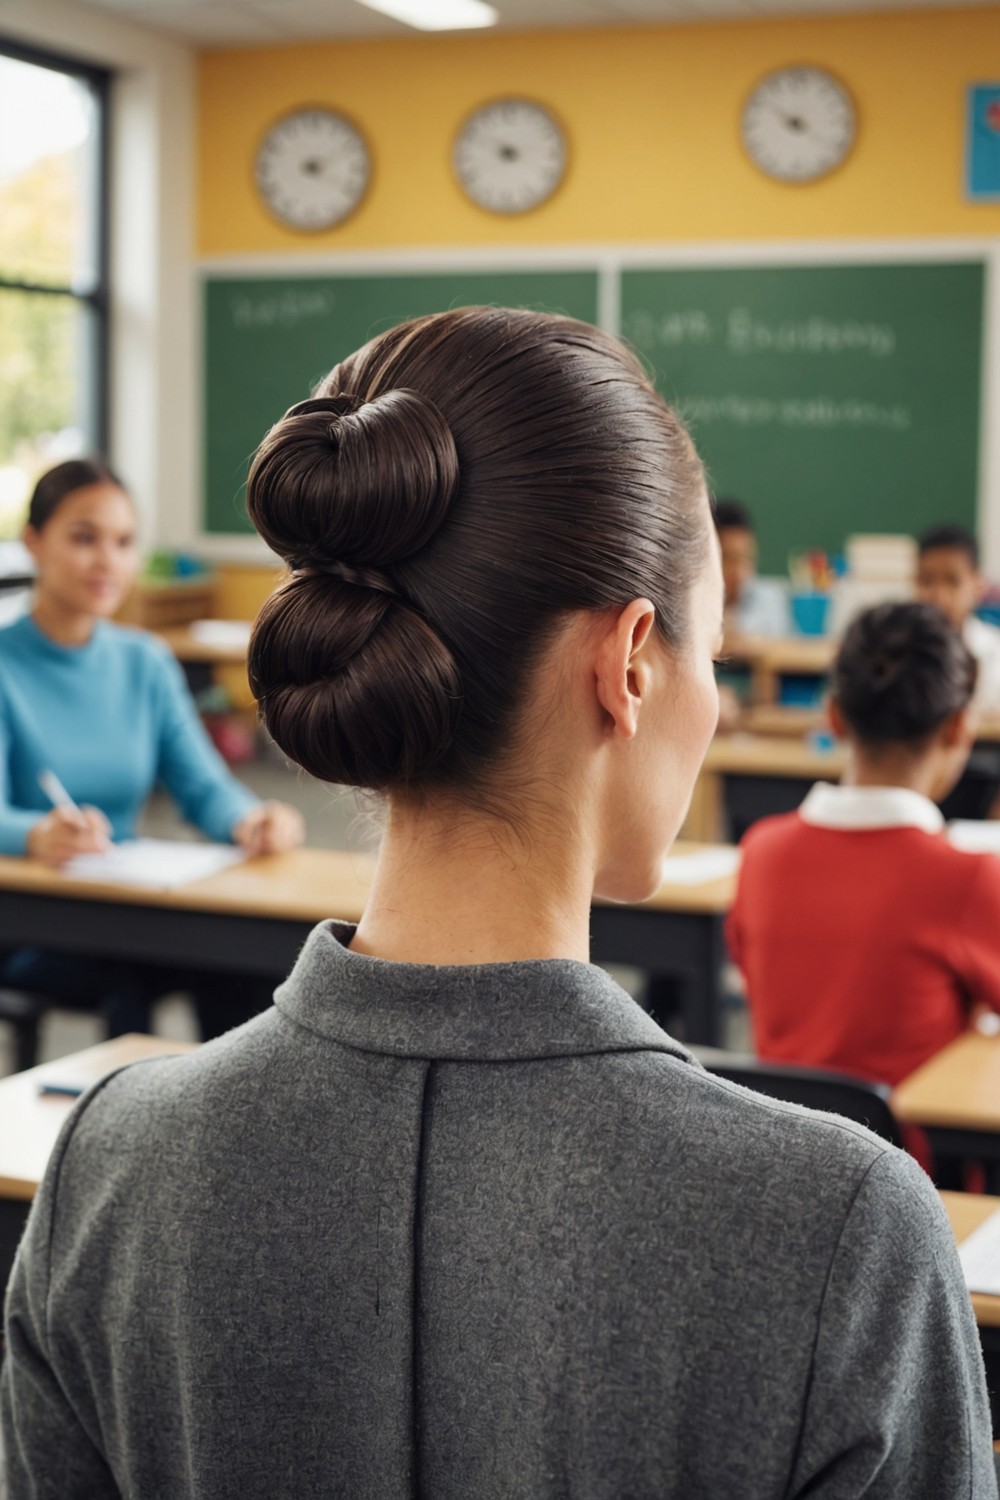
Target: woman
x=108, y=711
x=864, y=937
x=456, y=1218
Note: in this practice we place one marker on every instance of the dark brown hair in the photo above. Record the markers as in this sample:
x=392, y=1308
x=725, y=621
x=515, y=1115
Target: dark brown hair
x=65, y=479
x=731, y=515
x=454, y=490
x=901, y=671
x=957, y=538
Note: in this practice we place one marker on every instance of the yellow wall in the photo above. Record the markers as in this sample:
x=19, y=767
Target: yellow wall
x=652, y=120
x=240, y=589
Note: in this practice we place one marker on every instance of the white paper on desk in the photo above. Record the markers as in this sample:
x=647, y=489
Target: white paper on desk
x=700, y=867
x=980, y=1257
x=157, y=864
x=979, y=836
x=222, y=634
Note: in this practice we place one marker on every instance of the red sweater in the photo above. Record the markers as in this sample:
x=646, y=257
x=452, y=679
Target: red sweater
x=863, y=949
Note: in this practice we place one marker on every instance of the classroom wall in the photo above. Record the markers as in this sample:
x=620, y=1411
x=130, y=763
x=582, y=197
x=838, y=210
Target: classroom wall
x=651, y=116
x=652, y=120
x=153, y=388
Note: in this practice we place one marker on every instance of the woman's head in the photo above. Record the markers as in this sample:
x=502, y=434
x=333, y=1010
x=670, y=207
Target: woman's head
x=454, y=493
x=902, y=680
x=81, y=533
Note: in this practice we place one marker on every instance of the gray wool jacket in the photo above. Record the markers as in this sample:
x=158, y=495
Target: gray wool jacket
x=466, y=1233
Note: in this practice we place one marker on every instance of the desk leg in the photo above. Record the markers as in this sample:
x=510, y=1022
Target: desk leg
x=990, y=1340
x=682, y=952
x=695, y=993
x=704, y=821
x=13, y=1217
x=701, y=989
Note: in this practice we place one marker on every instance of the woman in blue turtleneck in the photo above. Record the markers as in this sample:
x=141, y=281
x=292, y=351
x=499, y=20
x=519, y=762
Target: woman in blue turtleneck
x=106, y=709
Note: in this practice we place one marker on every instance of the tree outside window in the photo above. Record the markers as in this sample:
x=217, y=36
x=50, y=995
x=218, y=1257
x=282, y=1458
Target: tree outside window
x=53, y=293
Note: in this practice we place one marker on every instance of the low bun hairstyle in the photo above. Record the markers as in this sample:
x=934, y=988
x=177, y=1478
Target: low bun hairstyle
x=901, y=671
x=450, y=493
x=341, y=480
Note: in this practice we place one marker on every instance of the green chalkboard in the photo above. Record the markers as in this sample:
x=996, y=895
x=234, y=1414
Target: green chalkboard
x=269, y=339
x=831, y=399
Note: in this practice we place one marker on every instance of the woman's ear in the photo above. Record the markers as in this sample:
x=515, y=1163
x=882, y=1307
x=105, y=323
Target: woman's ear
x=836, y=719
x=30, y=538
x=959, y=729
x=621, y=671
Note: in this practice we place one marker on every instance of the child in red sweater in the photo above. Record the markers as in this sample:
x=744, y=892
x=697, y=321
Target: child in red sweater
x=865, y=939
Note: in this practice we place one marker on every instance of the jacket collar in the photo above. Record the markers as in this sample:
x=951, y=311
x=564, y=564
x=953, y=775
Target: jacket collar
x=869, y=807
x=482, y=1013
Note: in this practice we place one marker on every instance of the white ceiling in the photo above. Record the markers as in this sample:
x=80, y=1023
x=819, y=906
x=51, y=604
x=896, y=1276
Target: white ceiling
x=210, y=23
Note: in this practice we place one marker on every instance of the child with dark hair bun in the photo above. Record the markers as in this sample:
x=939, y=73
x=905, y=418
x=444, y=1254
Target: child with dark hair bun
x=864, y=937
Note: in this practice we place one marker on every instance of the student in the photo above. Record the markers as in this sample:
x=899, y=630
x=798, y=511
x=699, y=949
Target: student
x=864, y=937
x=107, y=710
x=754, y=606
x=948, y=575
x=456, y=1218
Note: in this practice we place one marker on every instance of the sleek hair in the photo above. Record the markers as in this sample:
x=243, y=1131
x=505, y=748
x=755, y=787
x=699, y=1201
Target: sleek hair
x=950, y=535
x=731, y=513
x=452, y=491
x=54, y=486
x=901, y=671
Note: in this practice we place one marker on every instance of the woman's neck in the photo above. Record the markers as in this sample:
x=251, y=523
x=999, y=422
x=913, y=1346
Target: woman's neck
x=65, y=627
x=469, y=890
x=914, y=773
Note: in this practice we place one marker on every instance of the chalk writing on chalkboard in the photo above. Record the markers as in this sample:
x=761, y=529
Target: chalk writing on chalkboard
x=744, y=333
x=817, y=412
x=285, y=309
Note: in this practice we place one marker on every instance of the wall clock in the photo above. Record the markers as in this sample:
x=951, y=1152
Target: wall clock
x=798, y=124
x=312, y=169
x=510, y=156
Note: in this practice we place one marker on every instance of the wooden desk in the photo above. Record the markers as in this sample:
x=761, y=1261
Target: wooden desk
x=209, y=664
x=189, y=648
x=783, y=722
x=254, y=917
x=30, y=1122
x=769, y=659
x=955, y=1098
x=768, y=756
x=790, y=723
x=750, y=776
x=798, y=656
x=966, y=1211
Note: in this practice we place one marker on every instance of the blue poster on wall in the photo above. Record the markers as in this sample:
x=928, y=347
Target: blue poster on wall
x=983, y=141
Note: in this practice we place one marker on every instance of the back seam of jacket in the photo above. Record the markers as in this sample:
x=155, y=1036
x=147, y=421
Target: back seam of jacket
x=418, y=1219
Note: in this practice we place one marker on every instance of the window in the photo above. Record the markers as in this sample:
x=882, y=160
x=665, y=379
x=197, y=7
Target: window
x=53, y=272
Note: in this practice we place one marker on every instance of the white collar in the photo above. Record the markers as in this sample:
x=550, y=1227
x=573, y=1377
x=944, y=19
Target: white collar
x=979, y=634
x=860, y=807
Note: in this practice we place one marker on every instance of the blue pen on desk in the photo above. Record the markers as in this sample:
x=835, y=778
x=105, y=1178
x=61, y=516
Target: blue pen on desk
x=58, y=795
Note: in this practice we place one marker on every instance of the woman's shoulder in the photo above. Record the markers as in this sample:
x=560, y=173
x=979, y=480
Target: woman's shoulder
x=741, y=1129
x=139, y=651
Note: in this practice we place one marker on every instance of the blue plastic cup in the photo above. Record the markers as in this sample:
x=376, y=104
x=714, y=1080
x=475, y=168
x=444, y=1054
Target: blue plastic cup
x=810, y=611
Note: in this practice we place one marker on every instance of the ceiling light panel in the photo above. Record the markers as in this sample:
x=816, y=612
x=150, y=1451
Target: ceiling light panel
x=437, y=15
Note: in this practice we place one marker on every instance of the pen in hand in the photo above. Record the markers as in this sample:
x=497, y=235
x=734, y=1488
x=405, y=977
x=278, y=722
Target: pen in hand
x=68, y=830
x=59, y=797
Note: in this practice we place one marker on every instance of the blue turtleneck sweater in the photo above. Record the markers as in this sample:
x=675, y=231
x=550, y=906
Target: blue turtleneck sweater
x=111, y=719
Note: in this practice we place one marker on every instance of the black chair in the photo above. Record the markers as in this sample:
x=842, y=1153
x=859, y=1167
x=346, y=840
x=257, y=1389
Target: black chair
x=747, y=799
x=978, y=787
x=837, y=1093
x=23, y=1012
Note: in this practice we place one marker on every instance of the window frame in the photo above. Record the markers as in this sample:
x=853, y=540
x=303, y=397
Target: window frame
x=97, y=297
